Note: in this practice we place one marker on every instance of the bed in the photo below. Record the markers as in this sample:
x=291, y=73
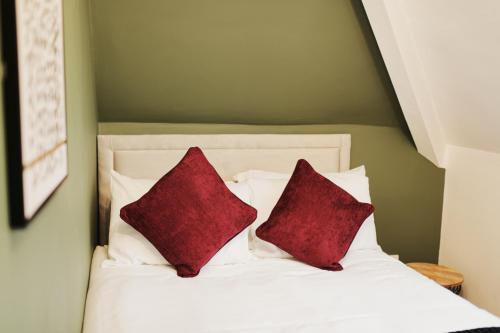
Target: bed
x=374, y=292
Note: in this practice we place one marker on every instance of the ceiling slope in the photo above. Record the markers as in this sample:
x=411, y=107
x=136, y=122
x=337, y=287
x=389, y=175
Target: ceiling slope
x=444, y=60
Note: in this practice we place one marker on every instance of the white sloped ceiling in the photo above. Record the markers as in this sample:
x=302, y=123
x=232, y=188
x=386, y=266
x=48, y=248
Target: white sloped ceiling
x=444, y=60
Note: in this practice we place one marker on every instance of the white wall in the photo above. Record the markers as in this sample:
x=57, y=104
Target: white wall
x=444, y=61
x=470, y=235
x=458, y=45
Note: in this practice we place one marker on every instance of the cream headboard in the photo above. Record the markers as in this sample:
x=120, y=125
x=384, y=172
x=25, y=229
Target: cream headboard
x=151, y=156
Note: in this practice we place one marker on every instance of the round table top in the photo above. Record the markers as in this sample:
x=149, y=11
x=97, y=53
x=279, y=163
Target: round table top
x=443, y=275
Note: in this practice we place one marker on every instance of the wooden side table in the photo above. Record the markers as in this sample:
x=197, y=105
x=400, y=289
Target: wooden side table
x=445, y=276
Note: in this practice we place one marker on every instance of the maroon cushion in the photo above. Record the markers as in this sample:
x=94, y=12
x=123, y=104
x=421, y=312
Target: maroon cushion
x=189, y=214
x=314, y=220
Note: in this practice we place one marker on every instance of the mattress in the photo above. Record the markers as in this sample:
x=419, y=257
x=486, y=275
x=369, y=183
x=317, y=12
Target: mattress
x=374, y=293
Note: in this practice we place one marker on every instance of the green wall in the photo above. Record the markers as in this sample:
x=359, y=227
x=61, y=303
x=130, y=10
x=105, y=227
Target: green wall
x=218, y=61
x=239, y=61
x=272, y=62
x=407, y=189
x=45, y=267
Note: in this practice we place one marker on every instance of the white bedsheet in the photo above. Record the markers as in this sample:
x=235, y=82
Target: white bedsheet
x=374, y=293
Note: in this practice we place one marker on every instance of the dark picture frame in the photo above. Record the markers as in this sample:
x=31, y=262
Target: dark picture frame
x=34, y=104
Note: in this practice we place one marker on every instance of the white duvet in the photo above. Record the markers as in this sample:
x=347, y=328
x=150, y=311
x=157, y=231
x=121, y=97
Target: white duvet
x=374, y=293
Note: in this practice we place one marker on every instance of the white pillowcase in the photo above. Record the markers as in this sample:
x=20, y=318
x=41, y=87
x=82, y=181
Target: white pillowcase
x=129, y=247
x=261, y=174
x=267, y=187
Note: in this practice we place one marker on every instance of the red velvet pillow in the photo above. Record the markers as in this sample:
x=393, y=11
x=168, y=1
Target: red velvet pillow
x=189, y=214
x=314, y=220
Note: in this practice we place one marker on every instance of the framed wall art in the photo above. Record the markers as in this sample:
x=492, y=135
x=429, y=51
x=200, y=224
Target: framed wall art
x=34, y=103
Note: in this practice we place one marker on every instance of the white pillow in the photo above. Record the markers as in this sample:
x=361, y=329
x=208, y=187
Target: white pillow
x=129, y=247
x=267, y=188
x=261, y=174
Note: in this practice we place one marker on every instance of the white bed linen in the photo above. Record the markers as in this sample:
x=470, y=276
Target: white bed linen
x=374, y=293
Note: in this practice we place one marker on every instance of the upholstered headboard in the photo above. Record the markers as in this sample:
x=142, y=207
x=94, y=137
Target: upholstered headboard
x=151, y=156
